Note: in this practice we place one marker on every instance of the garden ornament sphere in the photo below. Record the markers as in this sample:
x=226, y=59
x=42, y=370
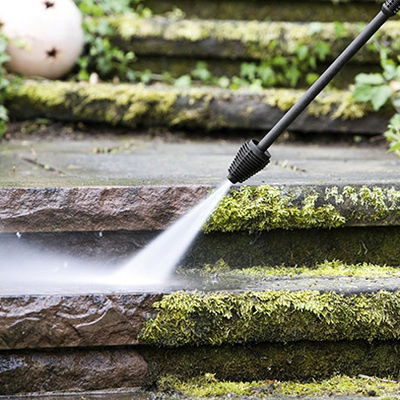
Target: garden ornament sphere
x=45, y=36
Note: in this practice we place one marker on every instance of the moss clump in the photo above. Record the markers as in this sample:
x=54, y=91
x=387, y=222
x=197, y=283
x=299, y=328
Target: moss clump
x=216, y=318
x=266, y=207
x=269, y=207
x=209, y=386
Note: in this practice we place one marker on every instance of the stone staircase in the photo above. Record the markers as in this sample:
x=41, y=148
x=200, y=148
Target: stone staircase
x=292, y=288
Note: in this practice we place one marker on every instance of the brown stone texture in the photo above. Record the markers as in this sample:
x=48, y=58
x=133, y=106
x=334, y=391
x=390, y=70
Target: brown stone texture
x=72, y=321
x=70, y=370
x=94, y=208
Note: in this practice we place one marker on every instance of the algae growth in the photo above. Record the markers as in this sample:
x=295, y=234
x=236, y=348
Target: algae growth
x=208, y=386
x=195, y=318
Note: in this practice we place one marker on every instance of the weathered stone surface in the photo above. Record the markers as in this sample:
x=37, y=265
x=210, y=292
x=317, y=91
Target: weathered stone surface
x=70, y=370
x=200, y=108
x=94, y=208
x=56, y=321
x=100, y=369
x=71, y=321
x=376, y=245
x=150, y=208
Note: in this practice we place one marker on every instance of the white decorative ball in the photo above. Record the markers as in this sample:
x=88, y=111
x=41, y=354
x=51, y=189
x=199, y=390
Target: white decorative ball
x=45, y=36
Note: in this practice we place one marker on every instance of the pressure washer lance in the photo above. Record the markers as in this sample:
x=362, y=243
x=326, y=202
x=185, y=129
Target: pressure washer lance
x=253, y=156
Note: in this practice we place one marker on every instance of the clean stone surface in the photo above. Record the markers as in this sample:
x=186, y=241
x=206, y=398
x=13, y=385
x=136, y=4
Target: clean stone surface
x=76, y=369
x=131, y=161
x=69, y=321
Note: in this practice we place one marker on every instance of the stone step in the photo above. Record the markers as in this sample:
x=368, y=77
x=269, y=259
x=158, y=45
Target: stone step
x=204, y=108
x=244, y=40
x=306, y=10
x=109, y=197
x=100, y=341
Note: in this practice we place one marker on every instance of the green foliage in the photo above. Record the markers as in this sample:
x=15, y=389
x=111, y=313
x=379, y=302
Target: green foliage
x=101, y=56
x=392, y=134
x=4, y=83
x=276, y=71
x=378, y=88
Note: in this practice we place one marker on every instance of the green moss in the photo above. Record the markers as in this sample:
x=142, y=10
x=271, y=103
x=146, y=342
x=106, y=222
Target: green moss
x=131, y=105
x=209, y=386
x=48, y=93
x=269, y=207
x=333, y=268
x=256, y=10
x=197, y=318
x=252, y=39
x=301, y=361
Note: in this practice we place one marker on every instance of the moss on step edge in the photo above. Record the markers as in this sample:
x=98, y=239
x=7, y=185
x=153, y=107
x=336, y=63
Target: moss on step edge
x=253, y=208
x=333, y=268
x=191, y=318
x=249, y=39
x=208, y=386
x=296, y=361
x=133, y=105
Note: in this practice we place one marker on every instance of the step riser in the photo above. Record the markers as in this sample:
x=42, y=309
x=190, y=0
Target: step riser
x=56, y=321
x=295, y=247
x=84, y=369
x=270, y=11
x=241, y=40
x=153, y=208
x=203, y=108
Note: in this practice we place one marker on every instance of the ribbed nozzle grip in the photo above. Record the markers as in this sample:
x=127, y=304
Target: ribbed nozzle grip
x=391, y=7
x=248, y=161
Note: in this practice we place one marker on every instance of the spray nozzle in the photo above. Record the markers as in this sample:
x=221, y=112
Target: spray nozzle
x=248, y=161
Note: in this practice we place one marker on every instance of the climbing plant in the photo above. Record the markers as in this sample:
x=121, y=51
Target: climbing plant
x=392, y=134
x=101, y=56
x=380, y=89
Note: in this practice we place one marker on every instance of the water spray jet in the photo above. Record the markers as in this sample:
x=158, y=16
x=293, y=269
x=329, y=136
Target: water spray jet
x=253, y=156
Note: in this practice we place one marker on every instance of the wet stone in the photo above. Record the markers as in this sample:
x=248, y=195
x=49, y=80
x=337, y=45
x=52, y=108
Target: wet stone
x=71, y=370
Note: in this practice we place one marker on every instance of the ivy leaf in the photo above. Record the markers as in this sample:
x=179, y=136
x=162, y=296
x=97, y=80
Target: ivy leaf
x=362, y=93
x=183, y=82
x=370, y=79
x=322, y=49
x=302, y=52
x=380, y=95
x=394, y=147
x=248, y=70
x=311, y=78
